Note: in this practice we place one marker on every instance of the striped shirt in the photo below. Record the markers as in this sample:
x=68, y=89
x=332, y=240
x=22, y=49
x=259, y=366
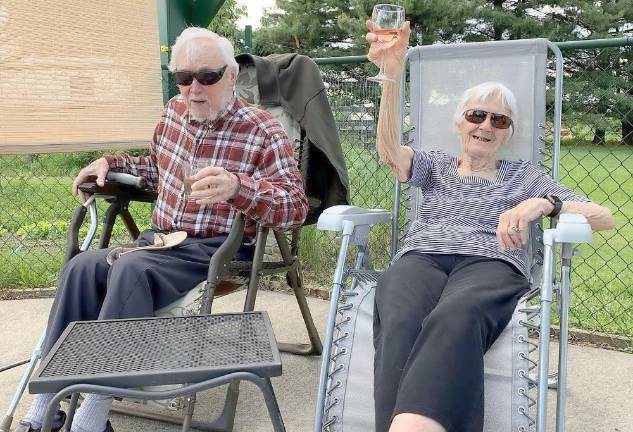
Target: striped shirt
x=244, y=140
x=459, y=214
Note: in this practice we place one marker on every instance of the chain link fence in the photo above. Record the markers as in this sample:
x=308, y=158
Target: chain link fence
x=596, y=159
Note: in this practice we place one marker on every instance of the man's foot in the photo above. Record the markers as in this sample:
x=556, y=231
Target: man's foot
x=109, y=427
x=58, y=424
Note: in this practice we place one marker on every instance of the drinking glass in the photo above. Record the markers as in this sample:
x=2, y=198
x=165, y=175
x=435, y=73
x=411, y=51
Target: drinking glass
x=189, y=169
x=388, y=18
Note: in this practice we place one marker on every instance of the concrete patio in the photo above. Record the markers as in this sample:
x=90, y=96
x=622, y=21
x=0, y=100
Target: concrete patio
x=600, y=391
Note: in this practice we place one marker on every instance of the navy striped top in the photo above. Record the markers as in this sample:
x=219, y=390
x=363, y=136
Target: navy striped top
x=459, y=214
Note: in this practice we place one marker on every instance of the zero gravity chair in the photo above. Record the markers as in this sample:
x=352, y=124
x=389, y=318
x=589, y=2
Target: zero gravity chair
x=305, y=114
x=515, y=397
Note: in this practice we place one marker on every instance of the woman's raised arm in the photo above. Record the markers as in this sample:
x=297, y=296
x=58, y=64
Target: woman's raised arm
x=391, y=52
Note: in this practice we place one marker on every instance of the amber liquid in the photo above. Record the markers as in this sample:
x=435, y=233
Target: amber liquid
x=387, y=32
x=188, y=181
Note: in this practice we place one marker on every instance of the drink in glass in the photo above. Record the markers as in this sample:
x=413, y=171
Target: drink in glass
x=388, y=18
x=189, y=169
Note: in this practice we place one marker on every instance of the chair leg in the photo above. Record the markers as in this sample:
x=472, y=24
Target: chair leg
x=258, y=257
x=295, y=278
x=109, y=220
x=272, y=405
x=128, y=220
x=71, y=411
x=223, y=423
x=190, y=403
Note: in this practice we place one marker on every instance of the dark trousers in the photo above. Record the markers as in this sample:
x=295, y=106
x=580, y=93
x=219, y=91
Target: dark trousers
x=134, y=286
x=435, y=316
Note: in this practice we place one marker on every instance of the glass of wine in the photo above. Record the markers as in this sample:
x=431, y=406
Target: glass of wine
x=388, y=18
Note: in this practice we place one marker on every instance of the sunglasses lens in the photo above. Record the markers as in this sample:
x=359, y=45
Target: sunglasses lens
x=475, y=116
x=500, y=121
x=183, y=78
x=208, y=77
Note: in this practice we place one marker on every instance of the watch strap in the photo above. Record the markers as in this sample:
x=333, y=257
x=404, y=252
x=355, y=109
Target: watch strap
x=556, y=202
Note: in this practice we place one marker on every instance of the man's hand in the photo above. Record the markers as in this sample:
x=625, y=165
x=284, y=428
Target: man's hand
x=98, y=168
x=512, y=231
x=214, y=184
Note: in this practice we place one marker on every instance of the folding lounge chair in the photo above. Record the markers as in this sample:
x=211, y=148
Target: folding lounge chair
x=314, y=161
x=515, y=397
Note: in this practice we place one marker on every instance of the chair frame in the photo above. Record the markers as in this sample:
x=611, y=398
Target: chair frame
x=355, y=223
x=119, y=190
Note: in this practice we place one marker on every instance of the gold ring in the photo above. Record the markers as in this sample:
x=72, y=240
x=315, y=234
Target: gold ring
x=515, y=228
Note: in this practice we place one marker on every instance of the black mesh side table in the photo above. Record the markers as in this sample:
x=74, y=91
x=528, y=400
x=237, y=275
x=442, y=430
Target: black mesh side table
x=114, y=356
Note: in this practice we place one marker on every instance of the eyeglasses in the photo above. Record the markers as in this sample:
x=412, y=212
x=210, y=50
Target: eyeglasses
x=205, y=77
x=477, y=116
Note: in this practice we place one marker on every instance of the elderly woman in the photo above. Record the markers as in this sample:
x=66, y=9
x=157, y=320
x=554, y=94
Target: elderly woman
x=454, y=285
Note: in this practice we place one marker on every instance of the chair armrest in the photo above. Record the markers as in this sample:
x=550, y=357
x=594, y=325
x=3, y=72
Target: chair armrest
x=127, y=179
x=572, y=228
x=332, y=218
x=121, y=186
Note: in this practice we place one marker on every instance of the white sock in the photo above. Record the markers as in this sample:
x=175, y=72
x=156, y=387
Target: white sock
x=37, y=410
x=92, y=415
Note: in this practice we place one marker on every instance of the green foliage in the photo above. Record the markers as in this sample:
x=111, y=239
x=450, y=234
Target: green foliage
x=307, y=26
x=43, y=230
x=598, y=87
x=224, y=23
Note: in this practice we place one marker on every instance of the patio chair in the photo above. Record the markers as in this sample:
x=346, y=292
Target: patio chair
x=516, y=366
x=325, y=178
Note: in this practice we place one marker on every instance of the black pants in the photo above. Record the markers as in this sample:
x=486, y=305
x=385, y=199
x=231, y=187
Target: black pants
x=134, y=286
x=435, y=316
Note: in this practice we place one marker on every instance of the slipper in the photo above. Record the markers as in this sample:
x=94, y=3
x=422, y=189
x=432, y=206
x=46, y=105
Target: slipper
x=161, y=241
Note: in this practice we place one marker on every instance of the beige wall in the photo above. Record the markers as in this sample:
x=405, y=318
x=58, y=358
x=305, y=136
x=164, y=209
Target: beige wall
x=78, y=74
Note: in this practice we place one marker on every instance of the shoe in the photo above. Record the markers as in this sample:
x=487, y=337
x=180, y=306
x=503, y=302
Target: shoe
x=109, y=427
x=58, y=424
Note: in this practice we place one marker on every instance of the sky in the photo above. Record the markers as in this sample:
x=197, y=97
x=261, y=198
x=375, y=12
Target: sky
x=255, y=11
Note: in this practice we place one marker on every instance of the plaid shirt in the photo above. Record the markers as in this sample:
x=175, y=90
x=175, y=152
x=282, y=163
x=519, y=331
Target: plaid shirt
x=244, y=140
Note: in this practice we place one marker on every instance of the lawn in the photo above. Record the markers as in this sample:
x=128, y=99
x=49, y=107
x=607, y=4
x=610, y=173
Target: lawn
x=35, y=196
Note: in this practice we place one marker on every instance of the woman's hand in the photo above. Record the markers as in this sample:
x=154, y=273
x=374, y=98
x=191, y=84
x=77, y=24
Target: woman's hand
x=512, y=231
x=214, y=184
x=387, y=49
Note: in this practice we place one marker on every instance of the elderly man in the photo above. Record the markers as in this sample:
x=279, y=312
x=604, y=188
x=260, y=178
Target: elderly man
x=249, y=167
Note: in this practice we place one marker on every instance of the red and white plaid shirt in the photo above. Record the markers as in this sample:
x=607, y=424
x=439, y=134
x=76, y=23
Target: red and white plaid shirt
x=244, y=140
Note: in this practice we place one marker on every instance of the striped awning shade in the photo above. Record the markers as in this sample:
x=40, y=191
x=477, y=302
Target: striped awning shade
x=78, y=74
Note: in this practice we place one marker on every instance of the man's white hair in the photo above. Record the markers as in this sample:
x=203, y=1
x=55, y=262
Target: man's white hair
x=483, y=92
x=194, y=33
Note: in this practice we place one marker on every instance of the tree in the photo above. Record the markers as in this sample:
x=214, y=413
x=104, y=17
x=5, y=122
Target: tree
x=224, y=23
x=305, y=26
x=598, y=87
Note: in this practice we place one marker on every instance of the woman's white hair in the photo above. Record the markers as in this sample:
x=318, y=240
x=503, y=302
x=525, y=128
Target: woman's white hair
x=194, y=33
x=483, y=92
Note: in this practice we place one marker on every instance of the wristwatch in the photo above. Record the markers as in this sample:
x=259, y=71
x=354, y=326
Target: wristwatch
x=556, y=202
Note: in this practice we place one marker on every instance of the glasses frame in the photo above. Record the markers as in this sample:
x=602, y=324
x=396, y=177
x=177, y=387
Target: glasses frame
x=205, y=77
x=497, y=120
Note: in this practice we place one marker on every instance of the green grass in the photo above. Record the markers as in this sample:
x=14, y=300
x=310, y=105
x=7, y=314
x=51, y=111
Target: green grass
x=603, y=280
x=37, y=206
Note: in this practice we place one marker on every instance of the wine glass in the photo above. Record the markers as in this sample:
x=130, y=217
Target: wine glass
x=388, y=18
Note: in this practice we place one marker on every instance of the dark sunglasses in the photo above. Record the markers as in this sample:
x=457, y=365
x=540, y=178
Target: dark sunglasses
x=204, y=76
x=477, y=116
